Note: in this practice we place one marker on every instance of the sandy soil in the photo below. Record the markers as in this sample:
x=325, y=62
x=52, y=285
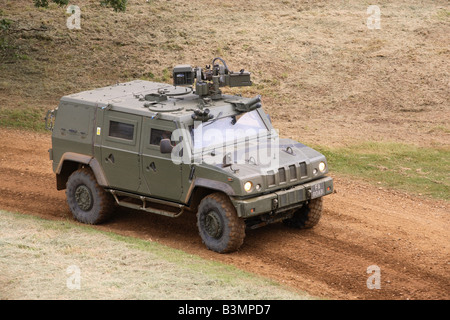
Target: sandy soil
x=363, y=225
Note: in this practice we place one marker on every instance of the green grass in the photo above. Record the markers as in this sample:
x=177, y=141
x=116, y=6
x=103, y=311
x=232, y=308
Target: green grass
x=223, y=274
x=29, y=118
x=419, y=170
x=35, y=254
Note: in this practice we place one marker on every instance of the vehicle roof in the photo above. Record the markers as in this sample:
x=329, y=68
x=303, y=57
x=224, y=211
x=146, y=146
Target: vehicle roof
x=130, y=97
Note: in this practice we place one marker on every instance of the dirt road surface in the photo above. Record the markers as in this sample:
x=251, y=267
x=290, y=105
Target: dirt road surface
x=363, y=226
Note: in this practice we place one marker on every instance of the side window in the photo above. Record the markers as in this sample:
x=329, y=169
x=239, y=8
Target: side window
x=157, y=135
x=121, y=130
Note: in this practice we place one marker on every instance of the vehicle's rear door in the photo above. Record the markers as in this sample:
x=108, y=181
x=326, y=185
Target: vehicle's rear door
x=120, y=150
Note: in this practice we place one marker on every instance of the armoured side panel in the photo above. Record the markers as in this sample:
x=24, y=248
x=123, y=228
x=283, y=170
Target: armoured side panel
x=73, y=131
x=98, y=130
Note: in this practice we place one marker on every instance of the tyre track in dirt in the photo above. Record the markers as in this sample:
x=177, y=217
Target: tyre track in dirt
x=362, y=225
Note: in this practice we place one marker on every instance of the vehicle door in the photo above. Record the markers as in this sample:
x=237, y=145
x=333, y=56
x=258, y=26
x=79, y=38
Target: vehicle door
x=120, y=150
x=160, y=173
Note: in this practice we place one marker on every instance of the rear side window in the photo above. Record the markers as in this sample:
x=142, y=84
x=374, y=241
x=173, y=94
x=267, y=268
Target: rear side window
x=121, y=130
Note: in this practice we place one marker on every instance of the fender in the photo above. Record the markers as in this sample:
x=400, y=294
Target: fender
x=215, y=185
x=194, y=197
x=84, y=159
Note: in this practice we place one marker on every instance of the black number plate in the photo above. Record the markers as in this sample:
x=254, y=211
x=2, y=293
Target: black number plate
x=318, y=190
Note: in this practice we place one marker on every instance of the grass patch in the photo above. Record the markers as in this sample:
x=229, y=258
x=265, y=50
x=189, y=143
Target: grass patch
x=418, y=170
x=29, y=118
x=35, y=255
x=223, y=274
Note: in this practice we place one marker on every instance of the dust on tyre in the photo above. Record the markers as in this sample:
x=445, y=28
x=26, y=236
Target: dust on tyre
x=88, y=201
x=219, y=226
x=307, y=216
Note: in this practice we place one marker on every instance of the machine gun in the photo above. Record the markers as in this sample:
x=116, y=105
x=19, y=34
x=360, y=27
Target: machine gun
x=210, y=79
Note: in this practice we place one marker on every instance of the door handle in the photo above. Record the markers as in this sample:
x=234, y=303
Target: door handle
x=110, y=158
x=151, y=166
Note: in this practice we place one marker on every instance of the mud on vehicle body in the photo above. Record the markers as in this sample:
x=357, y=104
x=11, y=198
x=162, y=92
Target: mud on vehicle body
x=169, y=149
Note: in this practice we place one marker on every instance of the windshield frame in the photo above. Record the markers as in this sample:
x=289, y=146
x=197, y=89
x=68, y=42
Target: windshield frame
x=265, y=131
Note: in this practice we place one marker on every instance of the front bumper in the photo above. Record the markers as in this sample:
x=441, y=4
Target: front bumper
x=282, y=200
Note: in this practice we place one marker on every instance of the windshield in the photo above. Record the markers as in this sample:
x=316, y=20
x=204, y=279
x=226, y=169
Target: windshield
x=229, y=129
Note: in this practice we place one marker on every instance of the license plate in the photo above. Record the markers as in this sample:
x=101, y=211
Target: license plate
x=318, y=190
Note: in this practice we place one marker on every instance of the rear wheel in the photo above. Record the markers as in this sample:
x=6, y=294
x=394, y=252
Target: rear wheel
x=88, y=201
x=307, y=216
x=219, y=226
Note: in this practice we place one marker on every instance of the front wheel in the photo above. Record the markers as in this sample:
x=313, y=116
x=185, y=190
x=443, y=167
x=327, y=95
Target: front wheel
x=307, y=216
x=219, y=226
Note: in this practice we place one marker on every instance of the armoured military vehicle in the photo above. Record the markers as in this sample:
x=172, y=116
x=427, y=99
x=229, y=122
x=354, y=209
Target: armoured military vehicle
x=184, y=147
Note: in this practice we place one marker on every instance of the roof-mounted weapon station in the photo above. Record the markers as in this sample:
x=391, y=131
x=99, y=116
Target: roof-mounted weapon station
x=209, y=80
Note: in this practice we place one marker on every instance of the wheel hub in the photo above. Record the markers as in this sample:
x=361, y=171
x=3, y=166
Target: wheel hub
x=213, y=224
x=83, y=196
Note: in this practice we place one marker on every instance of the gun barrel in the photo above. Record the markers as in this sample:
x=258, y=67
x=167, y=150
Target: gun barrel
x=253, y=101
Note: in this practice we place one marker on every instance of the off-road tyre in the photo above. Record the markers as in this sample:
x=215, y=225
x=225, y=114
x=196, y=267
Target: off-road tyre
x=219, y=226
x=88, y=201
x=307, y=216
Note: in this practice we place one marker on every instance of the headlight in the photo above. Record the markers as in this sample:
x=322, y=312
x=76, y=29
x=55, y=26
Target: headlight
x=322, y=166
x=248, y=186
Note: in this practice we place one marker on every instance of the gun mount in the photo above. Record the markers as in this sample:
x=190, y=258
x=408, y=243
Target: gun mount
x=209, y=80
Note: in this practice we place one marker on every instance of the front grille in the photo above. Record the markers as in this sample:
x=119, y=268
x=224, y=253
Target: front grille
x=303, y=172
x=282, y=175
x=292, y=173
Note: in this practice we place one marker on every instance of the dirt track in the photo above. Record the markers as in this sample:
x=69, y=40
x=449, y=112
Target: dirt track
x=406, y=237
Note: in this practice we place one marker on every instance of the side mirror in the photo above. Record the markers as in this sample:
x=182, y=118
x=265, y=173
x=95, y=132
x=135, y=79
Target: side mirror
x=165, y=146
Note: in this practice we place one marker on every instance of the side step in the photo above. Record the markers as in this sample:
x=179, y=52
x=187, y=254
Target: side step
x=144, y=203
